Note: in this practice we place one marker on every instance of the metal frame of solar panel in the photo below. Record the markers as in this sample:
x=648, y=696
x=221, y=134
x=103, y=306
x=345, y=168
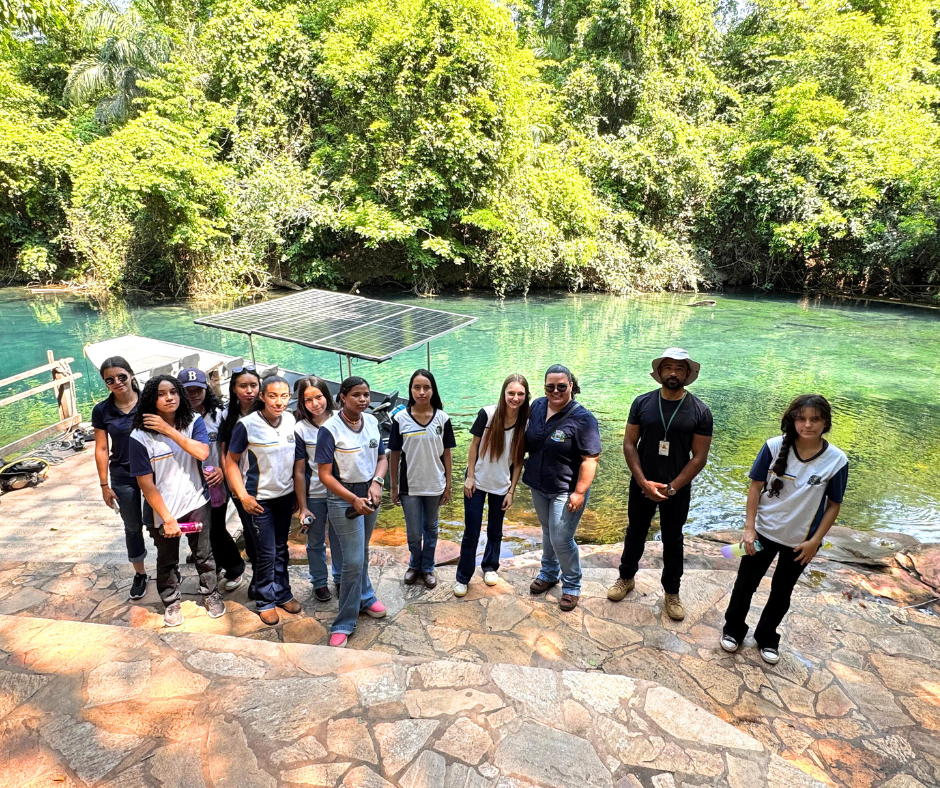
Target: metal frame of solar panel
x=345, y=324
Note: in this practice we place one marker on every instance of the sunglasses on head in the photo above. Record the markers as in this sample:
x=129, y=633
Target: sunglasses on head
x=246, y=368
x=561, y=388
x=116, y=379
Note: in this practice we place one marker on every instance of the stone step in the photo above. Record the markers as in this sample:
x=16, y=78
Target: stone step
x=89, y=704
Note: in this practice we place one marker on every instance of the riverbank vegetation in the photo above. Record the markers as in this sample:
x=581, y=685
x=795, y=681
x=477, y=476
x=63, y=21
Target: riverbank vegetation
x=206, y=147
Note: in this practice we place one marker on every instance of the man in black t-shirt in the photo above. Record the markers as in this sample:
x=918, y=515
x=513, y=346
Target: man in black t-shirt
x=666, y=443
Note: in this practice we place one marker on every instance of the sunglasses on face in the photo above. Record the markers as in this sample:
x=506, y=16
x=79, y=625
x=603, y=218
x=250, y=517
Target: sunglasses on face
x=116, y=379
x=561, y=388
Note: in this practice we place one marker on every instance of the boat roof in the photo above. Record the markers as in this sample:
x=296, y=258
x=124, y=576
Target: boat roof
x=340, y=323
x=145, y=354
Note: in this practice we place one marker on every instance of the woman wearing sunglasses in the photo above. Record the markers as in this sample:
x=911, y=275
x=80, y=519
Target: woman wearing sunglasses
x=563, y=443
x=113, y=420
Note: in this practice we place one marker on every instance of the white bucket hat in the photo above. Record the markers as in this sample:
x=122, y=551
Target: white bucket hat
x=676, y=354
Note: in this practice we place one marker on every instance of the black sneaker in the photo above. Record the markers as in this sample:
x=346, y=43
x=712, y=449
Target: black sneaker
x=173, y=615
x=215, y=607
x=322, y=594
x=139, y=586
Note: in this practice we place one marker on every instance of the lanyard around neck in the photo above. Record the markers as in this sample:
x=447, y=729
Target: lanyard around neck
x=678, y=408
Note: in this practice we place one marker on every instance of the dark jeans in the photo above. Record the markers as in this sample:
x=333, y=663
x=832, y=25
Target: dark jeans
x=473, y=523
x=672, y=516
x=226, y=552
x=750, y=571
x=270, y=530
x=131, y=503
x=168, y=556
x=247, y=531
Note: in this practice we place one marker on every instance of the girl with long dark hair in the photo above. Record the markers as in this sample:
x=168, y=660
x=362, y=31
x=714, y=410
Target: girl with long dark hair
x=494, y=465
x=167, y=446
x=112, y=420
x=315, y=407
x=420, y=444
x=797, y=485
x=563, y=442
x=243, y=387
x=352, y=464
x=207, y=404
x=265, y=437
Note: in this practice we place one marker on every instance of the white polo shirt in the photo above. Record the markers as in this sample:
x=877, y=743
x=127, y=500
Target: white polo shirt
x=808, y=483
x=177, y=475
x=353, y=454
x=305, y=448
x=492, y=476
x=270, y=451
x=422, y=446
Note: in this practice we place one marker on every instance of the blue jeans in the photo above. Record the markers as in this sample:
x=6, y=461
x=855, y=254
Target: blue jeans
x=316, y=545
x=131, y=504
x=355, y=588
x=473, y=523
x=421, y=513
x=559, y=550
x=270, y=530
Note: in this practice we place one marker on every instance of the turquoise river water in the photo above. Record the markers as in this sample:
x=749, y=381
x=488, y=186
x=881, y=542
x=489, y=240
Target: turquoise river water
x=879, y=364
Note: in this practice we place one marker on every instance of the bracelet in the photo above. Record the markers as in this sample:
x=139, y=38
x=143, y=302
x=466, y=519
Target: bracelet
x=103, y=484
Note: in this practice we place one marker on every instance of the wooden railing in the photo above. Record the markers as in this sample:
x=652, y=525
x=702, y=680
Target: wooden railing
x=63, y=382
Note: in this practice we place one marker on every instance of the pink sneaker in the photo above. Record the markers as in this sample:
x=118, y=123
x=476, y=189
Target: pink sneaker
x=376, y=610
x=338, y=640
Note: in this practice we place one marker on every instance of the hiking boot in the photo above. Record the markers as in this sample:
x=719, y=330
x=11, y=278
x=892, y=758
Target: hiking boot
x=215, y=607
x=322, y=594
x=139, y=586
x=269, y=617
x=568, y=602
x=539, y=586
x=411, y=576
x=673, y=607
x=173, y=615
x=620, y=589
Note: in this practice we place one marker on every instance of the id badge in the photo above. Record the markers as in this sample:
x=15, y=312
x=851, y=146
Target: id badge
x=664, y=448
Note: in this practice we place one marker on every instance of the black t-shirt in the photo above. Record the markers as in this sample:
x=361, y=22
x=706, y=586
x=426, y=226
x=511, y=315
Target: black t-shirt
x=692, y=418
x=119, y=425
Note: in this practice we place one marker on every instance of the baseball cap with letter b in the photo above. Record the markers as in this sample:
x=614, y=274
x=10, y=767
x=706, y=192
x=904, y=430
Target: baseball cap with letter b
x=192, y=377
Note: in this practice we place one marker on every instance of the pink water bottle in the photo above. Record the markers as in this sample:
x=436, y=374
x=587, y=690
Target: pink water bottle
x=216, y=494
x=190, y=528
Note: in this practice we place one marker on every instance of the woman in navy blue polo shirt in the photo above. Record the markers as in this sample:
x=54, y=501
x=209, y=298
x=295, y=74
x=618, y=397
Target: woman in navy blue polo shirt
x=113, y=421
x=563, y=443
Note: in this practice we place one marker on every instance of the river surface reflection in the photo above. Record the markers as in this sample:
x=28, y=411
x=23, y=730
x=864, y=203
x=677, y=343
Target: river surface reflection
x=878, y=364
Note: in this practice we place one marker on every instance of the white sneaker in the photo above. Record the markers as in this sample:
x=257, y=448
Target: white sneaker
x=490, y=578
x=770, y=655
x=460, y=589
x=729, y=644
x=235, y=582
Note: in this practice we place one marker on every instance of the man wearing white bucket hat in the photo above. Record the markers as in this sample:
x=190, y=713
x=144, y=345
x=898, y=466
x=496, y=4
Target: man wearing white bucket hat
x=666, y=443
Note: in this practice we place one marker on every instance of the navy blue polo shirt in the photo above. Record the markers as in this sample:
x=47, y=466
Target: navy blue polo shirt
x=108, y=417
x=556, y=446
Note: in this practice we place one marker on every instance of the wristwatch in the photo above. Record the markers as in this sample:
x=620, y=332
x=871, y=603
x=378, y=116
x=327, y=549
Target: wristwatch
x=379, y=479
x=670, y=490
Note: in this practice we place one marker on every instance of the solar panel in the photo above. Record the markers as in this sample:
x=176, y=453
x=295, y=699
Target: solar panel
x=347, y=324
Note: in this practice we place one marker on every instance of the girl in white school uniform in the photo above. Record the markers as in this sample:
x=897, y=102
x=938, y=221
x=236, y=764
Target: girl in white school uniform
x=420, y=444
x=266, y=492
x=314, y=408
x=167, y=447
x=352, y=464
x=494, y=465
x=797, y=484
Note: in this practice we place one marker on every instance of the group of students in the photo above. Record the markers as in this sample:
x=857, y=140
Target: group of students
x=172, y=443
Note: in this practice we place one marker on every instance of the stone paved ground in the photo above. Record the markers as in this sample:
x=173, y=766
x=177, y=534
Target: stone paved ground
x=85, y=704
x=855, y=700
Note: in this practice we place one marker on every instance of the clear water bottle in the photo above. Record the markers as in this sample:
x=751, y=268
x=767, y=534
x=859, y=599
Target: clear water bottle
x=737, y=550
x=116, y=506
